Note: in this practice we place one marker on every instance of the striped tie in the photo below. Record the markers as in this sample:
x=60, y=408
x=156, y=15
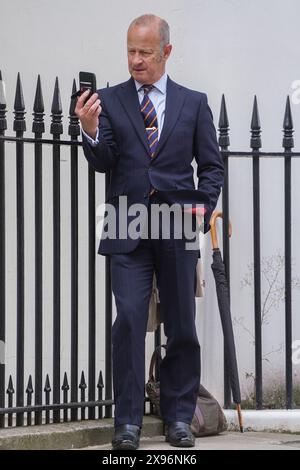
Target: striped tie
x=150, y=119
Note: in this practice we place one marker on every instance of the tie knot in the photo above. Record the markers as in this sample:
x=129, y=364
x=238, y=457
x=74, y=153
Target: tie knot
x=147, y=89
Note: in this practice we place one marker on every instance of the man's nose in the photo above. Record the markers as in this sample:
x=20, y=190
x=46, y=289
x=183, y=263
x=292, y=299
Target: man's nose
x=137, y=58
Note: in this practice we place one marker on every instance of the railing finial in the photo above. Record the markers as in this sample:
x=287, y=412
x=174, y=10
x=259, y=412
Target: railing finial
x=255, y=142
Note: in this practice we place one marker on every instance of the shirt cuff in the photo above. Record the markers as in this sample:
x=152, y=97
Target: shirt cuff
x=91, y=141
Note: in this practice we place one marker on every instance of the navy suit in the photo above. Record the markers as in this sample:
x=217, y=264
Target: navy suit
x=188, y=133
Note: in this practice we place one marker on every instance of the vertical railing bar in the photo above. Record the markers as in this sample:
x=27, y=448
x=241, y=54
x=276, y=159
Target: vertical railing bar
x=65, y=388
x=74, y=131
x=38, y=127
x=108, y=325
x=82, y=387
x=100, y=387
x=47, y=390
x=56, y=130
x=224, y=143
x=3, y=127
x=288, y=144
x=256, y=145
x=288, y=281
x=19, y=128
x=91, y=279
x=56, y=279
x=10, y=392
x=29, y=392
x=20, y=276
x=74, y=280
x=108, y=320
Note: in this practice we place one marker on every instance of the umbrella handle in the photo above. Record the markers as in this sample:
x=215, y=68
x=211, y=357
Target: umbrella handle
x=213, y=231
x=240, y=417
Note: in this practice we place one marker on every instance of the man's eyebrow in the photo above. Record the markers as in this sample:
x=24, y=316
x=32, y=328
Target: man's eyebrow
x=142, y=49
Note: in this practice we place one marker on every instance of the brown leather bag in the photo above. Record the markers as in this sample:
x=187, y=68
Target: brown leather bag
x=208, y=419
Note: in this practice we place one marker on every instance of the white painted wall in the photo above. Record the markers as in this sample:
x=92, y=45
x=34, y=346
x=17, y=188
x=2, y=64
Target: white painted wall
x=236, y=47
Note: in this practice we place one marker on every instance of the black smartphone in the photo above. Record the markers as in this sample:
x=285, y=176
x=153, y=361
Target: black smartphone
x=87, y=81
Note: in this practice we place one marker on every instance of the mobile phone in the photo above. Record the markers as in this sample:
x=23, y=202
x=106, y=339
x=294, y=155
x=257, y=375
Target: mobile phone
x=87, y=81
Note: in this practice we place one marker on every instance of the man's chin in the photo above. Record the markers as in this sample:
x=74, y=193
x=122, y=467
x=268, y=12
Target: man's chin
x=139, y=74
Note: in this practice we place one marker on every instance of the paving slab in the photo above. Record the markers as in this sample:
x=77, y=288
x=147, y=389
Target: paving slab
x=226, y=441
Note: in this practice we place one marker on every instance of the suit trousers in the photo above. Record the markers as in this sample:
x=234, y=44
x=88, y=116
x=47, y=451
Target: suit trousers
x=132, y=278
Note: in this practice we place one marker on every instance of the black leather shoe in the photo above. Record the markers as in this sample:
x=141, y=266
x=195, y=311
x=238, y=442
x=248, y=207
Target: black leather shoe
x=179, y=434
x=127, y=436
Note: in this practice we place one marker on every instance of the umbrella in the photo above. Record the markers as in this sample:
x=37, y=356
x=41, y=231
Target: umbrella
x=224, y=308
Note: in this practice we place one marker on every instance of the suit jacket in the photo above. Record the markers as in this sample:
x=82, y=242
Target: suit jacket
x=188, y=132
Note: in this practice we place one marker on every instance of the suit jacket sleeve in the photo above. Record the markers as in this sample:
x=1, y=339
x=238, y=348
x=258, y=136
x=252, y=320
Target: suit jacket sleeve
x=104, y=155
x=210, y=169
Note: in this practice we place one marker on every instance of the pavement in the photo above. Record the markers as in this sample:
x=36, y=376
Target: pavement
x=227, y=441
x=263, y=431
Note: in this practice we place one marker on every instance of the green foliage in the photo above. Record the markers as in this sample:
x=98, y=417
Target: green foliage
x=273, y=397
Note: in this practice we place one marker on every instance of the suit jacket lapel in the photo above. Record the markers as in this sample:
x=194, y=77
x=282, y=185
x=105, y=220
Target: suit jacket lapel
x=129, y=99
x=174, y=102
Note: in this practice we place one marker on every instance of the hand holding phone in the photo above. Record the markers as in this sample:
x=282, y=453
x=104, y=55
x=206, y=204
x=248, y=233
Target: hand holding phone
x=88, y=106
x=87, y=81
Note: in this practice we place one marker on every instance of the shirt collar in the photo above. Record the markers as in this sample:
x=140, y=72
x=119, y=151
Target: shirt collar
x=160, y=85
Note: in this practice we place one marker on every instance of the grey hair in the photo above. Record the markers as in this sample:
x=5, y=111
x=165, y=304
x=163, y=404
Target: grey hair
x=163, y=27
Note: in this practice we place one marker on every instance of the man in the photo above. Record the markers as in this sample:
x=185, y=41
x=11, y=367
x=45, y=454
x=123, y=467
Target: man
x=147, y=131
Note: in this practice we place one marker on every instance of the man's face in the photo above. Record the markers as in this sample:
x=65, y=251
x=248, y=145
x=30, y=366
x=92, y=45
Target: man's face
x=146, y=62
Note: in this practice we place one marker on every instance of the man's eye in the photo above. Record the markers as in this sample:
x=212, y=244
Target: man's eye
x=141, y=53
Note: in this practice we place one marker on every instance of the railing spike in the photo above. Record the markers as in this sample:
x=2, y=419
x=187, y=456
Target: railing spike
x=255, y=142
x=82, y=384
x=74, y=100
x=47, y=387
x=288, y=119
x=3, y=121
x=56, y=107
x=56, y=127
x=19, y=104
x=288, y=130
x=65, y=385
x=74, y=87
x=29, y=388
x=100, y=383
x=255, y=121
x=38, y=106
x=38, y=125
x=224, y=141
x=10, y=387
x=10, y=391
x=74, y=127
x=19, y=107
x=2, y=94
x=223, y=119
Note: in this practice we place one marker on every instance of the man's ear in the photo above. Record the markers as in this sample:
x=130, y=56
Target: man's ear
x=167, y=51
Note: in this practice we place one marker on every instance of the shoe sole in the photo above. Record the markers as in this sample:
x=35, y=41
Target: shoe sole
x=181, y=444
x=126, y=445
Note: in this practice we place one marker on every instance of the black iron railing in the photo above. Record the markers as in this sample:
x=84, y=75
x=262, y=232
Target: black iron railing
x=256, y=155
x=48, y=399
x=41, y=398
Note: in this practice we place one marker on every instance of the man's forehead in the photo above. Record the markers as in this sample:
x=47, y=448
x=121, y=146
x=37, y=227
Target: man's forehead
x=143, y=34
x=141, y=46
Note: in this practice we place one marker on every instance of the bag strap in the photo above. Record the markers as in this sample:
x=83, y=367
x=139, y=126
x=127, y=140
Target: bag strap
x=155, y=356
